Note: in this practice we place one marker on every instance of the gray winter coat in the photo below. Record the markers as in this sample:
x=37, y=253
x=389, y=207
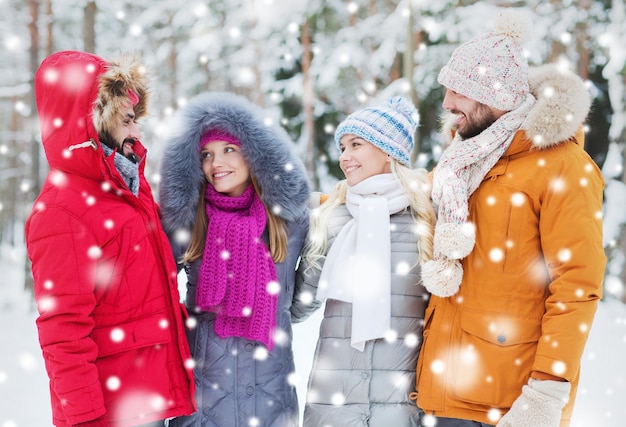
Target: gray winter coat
x=238, y=382
x=349, y=388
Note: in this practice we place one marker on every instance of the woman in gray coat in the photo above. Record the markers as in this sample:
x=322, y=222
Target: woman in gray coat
x=234, y=203
x=364, y=249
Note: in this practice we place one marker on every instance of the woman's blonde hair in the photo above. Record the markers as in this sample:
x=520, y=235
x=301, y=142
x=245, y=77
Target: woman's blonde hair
x=276, y=228
x=417, y=186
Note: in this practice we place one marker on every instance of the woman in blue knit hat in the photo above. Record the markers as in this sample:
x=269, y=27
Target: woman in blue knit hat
x=363, y=255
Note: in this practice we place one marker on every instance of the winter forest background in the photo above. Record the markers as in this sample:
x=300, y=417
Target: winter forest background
x=310, y=63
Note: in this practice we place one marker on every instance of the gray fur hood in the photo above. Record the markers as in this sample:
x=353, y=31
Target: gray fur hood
x=562, y=105
x=268, y=151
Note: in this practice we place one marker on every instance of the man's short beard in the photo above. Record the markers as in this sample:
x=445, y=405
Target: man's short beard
x=106, y=139
x=480, y=119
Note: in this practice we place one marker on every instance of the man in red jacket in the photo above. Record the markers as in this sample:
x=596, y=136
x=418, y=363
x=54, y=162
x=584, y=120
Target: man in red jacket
x=111, y=326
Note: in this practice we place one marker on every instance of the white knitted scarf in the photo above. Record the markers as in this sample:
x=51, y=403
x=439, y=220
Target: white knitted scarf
x=458, y=174
x=358, y=265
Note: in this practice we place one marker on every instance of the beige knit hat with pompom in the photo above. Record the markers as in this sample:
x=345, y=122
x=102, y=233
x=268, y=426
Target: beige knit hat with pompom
x=492, y=69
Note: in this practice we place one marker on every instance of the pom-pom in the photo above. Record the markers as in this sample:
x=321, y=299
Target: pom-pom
x=442, y=277
x=516, y=24
x=454, y=241
x=406, y=108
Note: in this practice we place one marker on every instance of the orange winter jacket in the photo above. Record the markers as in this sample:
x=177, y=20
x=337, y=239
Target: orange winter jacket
x=530, y=286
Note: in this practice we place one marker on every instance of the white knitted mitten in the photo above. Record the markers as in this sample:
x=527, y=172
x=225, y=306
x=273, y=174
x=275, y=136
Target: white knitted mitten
x=540, y=404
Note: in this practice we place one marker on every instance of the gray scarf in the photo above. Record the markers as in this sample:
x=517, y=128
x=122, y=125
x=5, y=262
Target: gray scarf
x=126, y=168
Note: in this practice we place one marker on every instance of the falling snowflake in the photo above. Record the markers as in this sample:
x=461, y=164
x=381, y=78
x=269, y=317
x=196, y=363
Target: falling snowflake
x=190, y=363
x=558, y=185
x=338, y=399
x=496, y=255
x=273, y=287
x=117, y=335
x=182, y=236
x=280, y=337
x=494, y=414
x=113, y=383
x=517, y=199
x=411, y=340
x=438, y=367
x=305, y=297
x=45, y=304
x=58, y=178
x=559, y=368
x=94, y=252
x=260, y=353
x=403, y=268
x=293, y=379
x=191, y=322
x=429, y=421
x=564, y=255
x=391, y=335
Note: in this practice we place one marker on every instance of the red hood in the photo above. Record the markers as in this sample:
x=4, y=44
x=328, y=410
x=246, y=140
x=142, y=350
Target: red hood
x=66, y=87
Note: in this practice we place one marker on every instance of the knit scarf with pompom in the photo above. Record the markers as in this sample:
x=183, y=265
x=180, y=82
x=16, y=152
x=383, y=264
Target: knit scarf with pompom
x=237, y=279
x=458, y=174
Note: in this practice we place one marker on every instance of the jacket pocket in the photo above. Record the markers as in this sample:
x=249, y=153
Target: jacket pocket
x=495, y=357
x=131, y=335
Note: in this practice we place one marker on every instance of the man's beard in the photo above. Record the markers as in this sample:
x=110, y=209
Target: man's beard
x=108, y=140
x=477, y=121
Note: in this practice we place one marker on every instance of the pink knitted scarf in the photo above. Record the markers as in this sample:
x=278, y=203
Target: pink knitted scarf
x=237, y=278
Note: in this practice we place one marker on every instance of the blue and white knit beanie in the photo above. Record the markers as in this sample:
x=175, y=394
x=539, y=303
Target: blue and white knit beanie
x=390, y=127
x=492, y=69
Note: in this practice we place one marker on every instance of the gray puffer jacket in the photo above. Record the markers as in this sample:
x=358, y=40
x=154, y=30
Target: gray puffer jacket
x=349, y=388
x=239, y=382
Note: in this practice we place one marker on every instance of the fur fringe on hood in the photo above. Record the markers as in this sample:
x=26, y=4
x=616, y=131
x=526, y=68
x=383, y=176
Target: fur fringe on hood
x=268, y=151
x=563, y=103
x=122, y=75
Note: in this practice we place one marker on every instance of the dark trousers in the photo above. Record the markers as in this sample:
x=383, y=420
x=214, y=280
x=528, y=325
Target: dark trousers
x=456, y=422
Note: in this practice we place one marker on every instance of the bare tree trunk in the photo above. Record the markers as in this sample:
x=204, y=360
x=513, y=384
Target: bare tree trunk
x=89, y=24
x=172, y=63
x=307, y=103
x=33, y=29
x=258, y=97
x=49, y=28
x=582, y=45
x=12, y=210
x=409, y=65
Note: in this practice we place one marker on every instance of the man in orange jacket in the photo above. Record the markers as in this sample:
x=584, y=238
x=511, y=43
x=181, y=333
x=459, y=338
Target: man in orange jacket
x=518, y=258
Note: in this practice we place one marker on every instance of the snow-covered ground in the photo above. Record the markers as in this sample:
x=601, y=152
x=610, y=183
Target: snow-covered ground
x=601, y=400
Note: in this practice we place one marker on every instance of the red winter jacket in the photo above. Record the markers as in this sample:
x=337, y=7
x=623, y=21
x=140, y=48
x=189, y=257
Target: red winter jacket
x=111, y=326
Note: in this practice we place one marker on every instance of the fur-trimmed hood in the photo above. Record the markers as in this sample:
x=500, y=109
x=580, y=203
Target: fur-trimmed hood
x=268, y=151
x=123, y=77
x=562, y=105
x=77, y=95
